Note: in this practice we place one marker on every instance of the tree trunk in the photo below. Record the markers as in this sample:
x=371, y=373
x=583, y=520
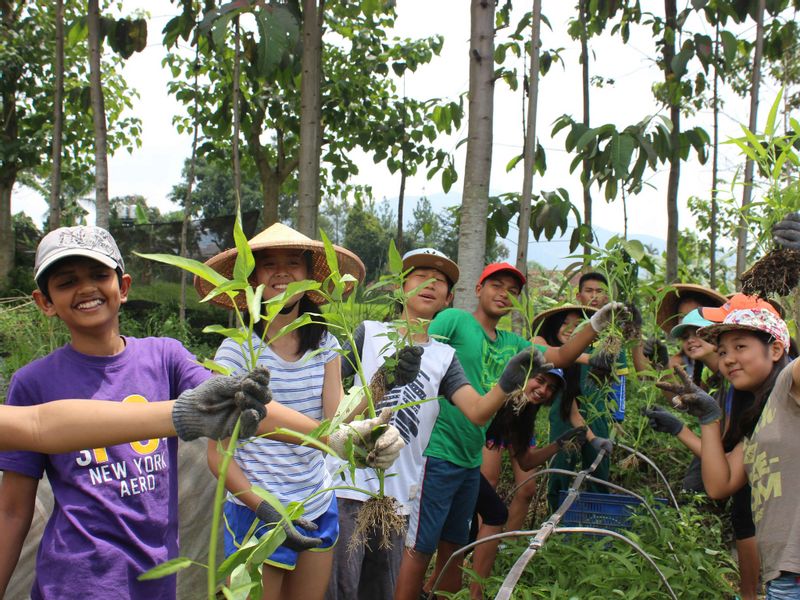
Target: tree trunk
x=308, y=189
x=529, y=149
x=400, y=202
x=236, y=95
x=478, y=165
x=9, y=133
x=747, y=192
x=587, y=194
x=99, y=118
x=187, y=203
x=54, y=219
x=671, y=12
x=714, y=168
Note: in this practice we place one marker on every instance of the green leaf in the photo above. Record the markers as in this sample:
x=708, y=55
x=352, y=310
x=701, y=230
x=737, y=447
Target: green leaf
x=306, y=440
x=395, y=260
x=168, y=568
x=237, y=335
x=214, y=366
x=769, y=128
x=254, y=302
x=226, y=288
x=187, y=264
x=245, y=262
x=279, y=32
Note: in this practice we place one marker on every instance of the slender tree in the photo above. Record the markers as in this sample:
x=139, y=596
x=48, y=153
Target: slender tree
x=308, y=190
x=478, y=165
x=98, y=116
x=714, y=163
x=747, y=192
x=583, y=16
x=671, y=31
x=54, y=218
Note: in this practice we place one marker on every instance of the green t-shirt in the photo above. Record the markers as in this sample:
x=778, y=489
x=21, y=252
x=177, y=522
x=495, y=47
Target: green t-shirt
x=455, y=438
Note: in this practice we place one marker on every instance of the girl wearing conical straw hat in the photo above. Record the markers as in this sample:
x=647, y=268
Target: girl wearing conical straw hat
x=305, y=376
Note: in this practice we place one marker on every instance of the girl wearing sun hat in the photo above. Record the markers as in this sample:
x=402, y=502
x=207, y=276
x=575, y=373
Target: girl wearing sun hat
x=305, y=376
x=761, y=447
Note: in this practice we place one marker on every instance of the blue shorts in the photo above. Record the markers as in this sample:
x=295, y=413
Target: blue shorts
x=785, y=587
x=444, y=507
x=239, y=519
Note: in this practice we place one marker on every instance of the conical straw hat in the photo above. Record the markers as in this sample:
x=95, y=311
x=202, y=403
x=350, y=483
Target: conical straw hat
x=540, y=318
x=282, y=237
x=667, y=313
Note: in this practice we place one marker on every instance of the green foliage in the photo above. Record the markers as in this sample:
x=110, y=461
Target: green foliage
x=364, y=235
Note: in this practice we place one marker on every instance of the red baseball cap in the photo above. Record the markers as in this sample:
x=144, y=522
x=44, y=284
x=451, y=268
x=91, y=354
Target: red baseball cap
x=500, y=267
x=737, y=302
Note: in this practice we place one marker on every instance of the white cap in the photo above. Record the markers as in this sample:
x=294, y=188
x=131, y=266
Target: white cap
x=83, y=240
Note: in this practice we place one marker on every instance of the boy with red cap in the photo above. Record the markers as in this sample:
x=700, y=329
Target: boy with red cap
x=457, y=443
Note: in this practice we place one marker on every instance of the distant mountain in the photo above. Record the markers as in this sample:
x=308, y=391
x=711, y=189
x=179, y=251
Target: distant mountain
x=552, y=254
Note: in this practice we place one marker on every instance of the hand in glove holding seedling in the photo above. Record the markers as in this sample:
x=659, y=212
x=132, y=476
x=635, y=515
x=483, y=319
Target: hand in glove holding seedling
x=572, y=437
x=603, y=317
x=409, y=359
x=212, y=408
x=632, y=322
x=375, y=443
x=690, y=398
x=294, y=539
x=656, y=352
x=528, y=362
x=786, y=232
x=601, y=363
x=599, y=443
x=662, y=420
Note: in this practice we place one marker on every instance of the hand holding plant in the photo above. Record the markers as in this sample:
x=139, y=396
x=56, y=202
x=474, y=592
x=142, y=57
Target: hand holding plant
x=606, y=315
x=786, y=232
x=409, y=359
x=374, y=442
x=212, y=408
x=572, y=439
x=521, y=366
x=690, y=398
x=294, y=539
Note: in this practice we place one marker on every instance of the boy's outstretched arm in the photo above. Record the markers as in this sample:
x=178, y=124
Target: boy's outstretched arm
x=17, y=501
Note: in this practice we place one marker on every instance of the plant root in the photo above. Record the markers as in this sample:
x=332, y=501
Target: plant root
x=571, y=447
x=518, y=400
x=776, y=274
x=630, y=462
x=380, y=518
x=377, y=387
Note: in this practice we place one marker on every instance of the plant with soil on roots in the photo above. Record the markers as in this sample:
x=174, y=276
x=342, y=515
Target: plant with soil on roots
x=778, y=272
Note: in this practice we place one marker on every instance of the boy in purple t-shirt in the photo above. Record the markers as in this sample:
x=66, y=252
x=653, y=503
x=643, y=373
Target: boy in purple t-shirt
x=116, y=509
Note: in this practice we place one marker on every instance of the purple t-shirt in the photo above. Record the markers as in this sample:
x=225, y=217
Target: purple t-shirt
x=116, y=509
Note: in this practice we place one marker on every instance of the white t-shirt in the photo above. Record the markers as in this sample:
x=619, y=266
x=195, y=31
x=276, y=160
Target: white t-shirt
x=292, y=473
x=415, y=423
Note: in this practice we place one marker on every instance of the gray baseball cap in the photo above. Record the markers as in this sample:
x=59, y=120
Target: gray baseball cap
x=83, y=240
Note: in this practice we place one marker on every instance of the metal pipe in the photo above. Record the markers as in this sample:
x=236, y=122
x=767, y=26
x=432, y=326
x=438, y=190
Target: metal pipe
x=655, y=468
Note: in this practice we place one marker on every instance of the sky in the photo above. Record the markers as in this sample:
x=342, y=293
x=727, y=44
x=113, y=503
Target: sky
x=154, y=168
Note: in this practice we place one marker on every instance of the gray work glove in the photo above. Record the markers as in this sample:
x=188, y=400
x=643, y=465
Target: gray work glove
x=408, y=359
x=690, y=398
x=662, y=420
x=599, y=443
x=786, y=232
x=212, y=408
x=516, y=372
x=379, y=443
x=294, y=539
x=603, y=317
x=576, y=435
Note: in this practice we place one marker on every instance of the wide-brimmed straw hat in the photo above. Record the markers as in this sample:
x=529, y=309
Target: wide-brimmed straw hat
x=540, y=318
x=667, y=313
x=281, y=237
x=759, y=319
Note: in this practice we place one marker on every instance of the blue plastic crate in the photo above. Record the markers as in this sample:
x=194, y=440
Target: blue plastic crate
x=607, y=511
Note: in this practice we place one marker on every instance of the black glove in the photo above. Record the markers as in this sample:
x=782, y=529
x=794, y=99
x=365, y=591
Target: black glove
x=516, y=371
x=599, y=443
x=656, y=352
x=662, y=420
x=786, y=232
x=601, y=364
x=576, y=435
x=212, y=408
x=409, y=359
x=690, y=398
x=294, y=539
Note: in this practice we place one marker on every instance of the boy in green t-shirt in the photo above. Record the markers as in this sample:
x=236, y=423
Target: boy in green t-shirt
x=483, y=352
